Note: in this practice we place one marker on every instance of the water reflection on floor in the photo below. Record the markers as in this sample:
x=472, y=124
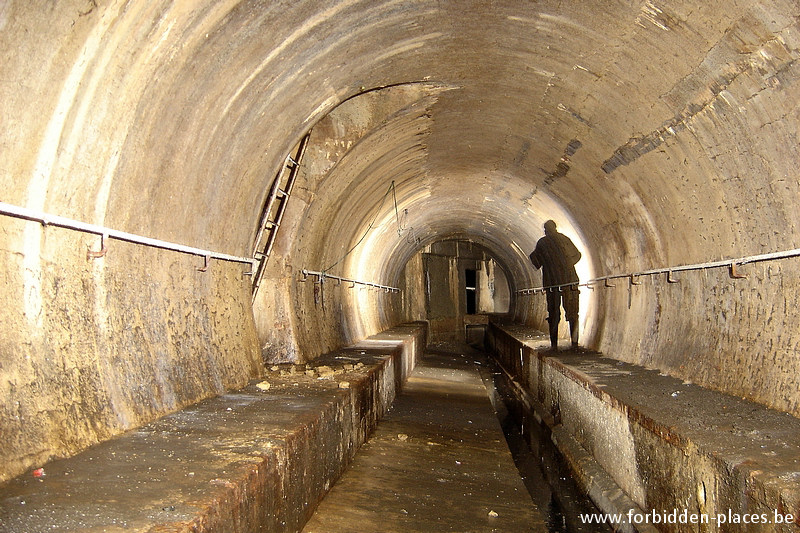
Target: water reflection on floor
x=544, y=472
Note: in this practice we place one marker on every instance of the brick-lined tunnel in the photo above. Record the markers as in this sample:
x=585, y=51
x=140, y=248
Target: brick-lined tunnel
x=417, y=137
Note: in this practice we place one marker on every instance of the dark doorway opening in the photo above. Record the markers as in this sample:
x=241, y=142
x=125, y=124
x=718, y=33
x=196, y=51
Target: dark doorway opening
x=471, y=278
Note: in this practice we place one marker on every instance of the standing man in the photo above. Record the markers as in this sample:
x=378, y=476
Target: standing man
x=556, y=256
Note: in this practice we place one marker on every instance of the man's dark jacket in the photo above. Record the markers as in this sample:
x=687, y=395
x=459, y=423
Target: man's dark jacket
x=556, y=256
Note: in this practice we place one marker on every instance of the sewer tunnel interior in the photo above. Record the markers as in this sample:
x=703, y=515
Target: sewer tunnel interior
x=656, y=134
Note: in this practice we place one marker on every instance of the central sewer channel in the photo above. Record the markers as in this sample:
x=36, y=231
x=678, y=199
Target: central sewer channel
x=439, y=461
x=544, y=471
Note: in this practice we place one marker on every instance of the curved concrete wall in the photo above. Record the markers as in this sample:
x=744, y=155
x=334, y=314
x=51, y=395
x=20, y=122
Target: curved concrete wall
x=659, y=133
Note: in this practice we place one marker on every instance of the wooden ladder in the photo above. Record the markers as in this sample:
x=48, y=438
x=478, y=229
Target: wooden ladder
x=274, y=209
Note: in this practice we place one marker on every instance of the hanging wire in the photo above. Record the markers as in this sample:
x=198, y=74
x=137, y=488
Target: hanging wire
x=400, y=227
x=411, y=238
x=371, y=224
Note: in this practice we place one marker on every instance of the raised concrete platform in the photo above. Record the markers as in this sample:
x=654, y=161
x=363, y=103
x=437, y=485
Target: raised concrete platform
x=258, y=459
x=438, y=461
x=647, y=444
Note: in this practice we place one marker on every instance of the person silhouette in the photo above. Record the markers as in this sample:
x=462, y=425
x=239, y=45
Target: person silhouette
x=556, y=255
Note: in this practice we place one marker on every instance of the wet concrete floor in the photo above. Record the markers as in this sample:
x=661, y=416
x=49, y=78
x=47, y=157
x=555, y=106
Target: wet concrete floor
x=438, y=461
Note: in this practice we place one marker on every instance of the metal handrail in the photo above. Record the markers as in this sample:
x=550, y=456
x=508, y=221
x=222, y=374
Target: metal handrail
x=632, y=276
x=322, y=276
x=47, y=219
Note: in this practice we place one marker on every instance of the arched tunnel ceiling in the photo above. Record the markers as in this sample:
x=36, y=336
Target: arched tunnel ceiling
x=369, y=230
x=625, y=80
x=554, y=101
x=552, y=96
x=663, y=132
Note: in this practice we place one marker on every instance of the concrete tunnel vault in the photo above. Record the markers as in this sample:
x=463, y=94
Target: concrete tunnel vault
x=364, y=207
x=658, y=133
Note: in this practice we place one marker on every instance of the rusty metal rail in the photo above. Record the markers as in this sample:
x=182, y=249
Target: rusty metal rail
x=633, y=277
x=47, y=219
x=322, y=276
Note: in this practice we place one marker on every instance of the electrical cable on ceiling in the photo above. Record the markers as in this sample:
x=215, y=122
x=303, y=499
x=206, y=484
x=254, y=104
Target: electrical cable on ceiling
x=371, y=224
x=400, y=227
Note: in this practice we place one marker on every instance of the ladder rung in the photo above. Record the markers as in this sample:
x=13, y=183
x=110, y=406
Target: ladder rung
x=273, y=225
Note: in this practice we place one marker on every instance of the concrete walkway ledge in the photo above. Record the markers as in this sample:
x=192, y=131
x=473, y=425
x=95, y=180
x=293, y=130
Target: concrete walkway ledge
x=647, y=444
x=255, y=460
